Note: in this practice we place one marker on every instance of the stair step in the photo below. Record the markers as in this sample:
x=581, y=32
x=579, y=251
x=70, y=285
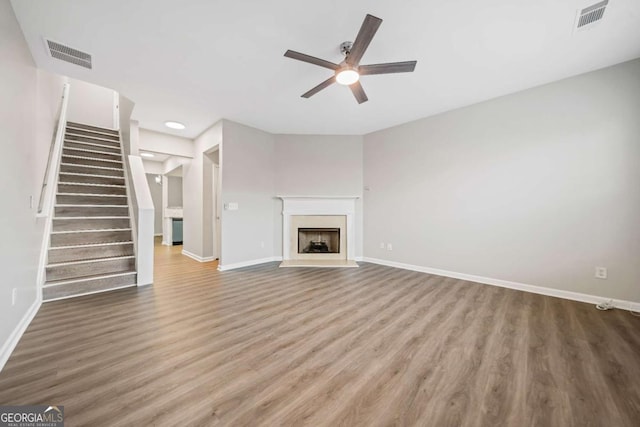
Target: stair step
x=91, y=146
x=81, y=199
x=92, y=153
x=92, y=189
x=77, y=270
x=91, y=170
x=77, y=224
x=92, y=134
x=90, y=211
x=90, y=223
x=89, y=237
x=88, y=285
x=69, y=136
x=90, y=161
x=79, y=178
x=92, y=128
x=87, y=252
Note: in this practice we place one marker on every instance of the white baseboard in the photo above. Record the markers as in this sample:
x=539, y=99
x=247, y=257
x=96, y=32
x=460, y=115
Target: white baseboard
x=14, y=338
x=92, y=293
x=198, y=257
x=166, y=243
x=248, y=263
x=574, y=296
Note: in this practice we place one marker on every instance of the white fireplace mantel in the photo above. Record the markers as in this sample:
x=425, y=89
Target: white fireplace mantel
x=318, y=205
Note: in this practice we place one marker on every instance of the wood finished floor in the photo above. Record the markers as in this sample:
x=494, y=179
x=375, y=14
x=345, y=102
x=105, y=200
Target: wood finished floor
x=372, y=346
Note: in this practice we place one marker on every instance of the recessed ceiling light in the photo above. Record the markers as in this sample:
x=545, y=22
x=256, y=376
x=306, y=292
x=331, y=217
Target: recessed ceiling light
x=174, y=125
x=147, y=155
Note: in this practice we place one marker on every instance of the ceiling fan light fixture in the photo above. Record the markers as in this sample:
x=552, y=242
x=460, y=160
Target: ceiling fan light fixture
x=347, y=76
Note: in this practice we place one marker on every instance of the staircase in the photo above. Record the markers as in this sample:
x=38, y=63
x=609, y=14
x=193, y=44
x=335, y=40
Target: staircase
x=91, y=247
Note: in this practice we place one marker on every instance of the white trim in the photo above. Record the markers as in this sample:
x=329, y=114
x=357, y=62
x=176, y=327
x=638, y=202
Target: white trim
x=248, y=263
x=558, y=293
x=197, y=257
x=14, y=338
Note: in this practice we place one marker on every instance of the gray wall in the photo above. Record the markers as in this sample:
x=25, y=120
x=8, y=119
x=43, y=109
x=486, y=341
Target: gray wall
x=537, y=187
x=197, y=198
x=318, y=165
x=313, y=165
x=156, y=196
x=29, y=104
x=174, y=184
x=247, y=167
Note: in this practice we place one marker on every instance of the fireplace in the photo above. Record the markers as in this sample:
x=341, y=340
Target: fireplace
x=318, y=240
x=318, y=232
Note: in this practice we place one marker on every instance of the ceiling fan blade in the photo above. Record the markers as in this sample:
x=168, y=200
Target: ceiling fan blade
x=364, y=37
x=391, y=67
x=358, y=92
x=318, y=88
x=310, y=59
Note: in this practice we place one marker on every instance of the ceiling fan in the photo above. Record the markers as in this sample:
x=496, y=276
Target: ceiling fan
x=348, y=72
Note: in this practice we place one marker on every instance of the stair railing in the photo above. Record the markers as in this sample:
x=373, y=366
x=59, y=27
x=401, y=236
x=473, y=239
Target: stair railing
x=47, y=193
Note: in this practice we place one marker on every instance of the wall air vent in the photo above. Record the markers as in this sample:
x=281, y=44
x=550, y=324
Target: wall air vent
x=591, y=14
x=68, y=54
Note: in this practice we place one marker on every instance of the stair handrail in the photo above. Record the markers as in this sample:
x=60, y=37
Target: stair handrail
x=47, y=192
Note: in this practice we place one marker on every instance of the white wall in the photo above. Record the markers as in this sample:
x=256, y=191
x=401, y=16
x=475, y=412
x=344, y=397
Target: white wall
x=156, y=168
x=197, y=195
x=156, y=197
x=318, y=165
x=29, y=102
x=162, y=143
x=91, y=104
x=537, y=187
x=247, y=168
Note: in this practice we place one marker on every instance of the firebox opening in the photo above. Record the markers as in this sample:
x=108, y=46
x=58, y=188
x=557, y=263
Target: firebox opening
x=318, y=240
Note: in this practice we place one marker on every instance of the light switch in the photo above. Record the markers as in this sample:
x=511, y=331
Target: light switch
x=232, y=206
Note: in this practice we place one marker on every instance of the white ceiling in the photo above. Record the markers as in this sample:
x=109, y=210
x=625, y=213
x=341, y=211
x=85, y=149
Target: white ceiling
x=199, y=61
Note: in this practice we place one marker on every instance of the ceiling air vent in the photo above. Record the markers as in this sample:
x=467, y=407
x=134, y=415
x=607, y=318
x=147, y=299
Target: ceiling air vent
x=591, y=14
x=68, y=54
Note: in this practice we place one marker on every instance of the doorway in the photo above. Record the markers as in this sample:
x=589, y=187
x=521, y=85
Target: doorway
x=212, y=203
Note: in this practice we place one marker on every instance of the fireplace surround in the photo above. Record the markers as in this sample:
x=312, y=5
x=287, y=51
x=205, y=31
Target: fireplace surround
x=318, y=231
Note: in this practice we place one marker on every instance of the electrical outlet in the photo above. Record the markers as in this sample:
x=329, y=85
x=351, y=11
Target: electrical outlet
x=14, y=296
x=601, y=272
x=381, y=245
x=389, y=247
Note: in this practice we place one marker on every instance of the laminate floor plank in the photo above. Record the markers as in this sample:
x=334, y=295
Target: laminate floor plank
x=369, y=346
